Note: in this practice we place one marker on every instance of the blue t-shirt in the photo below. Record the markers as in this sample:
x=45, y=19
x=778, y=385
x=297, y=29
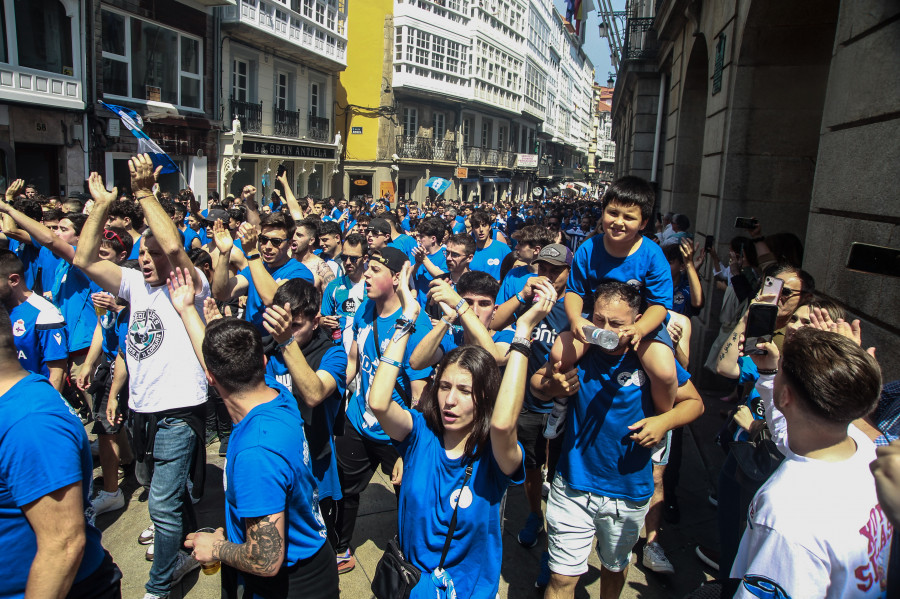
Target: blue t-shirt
x=514, y=282
x=189, y=236
x=431, y=482
x=405, y=244
x=43, y=449
x=455, y=337
x=358, y=412
x=458, y=227
x=681, y=299
x=334, y=362
x=646, y=268
x=292, y=269
x=342, y=298
x=490, y=258
x=28, y=253
x=423, y=278
x=268, y=471
x=47, y=262
x=135, y=250
x=39, y=333
x=114, y=327
x=513, y=224
x=597, y=455
x=542, y=340
x=72, y=291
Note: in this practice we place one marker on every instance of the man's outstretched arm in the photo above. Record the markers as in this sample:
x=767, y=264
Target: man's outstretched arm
x=105, y=273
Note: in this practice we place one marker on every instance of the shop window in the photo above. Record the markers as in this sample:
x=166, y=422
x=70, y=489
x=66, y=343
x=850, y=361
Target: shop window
x=45, y=36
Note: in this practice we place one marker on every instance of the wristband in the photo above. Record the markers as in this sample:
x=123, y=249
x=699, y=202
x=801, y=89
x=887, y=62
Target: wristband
x=446, y=322
x=467, y=307
x=520, y=297
x=287, y=342
x=523, y=349
x=149, y=195
x=459, y=306
x=253, y=257
x=771, y=372
x=390, y=362
x=522, y=340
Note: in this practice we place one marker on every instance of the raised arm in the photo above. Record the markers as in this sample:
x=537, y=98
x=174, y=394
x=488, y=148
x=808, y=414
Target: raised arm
x=504, y=439
x=181, y=293
x=37, y=231
x=443, y=293
x=289, y=198
x=687, y=253
x=506, y=312
x=223, y=286
x=266, y=286
x=252, y=208
x=105, y=273
x=727, y=361
x=7, y=224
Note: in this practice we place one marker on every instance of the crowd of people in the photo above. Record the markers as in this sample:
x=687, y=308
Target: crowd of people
x=460, y=348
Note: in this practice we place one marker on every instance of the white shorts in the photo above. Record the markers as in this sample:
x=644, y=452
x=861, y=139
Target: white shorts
x=660, y=452
x=574, y=517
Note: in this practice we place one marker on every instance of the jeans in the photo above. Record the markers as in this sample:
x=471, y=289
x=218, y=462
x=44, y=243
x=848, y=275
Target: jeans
x=170, y=504
x=734, y=497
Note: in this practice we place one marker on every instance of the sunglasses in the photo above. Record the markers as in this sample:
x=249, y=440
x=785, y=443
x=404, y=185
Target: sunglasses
x=350, y=259
x=276, y=241
x=374, y=232
x=110, y=235
x=787, y=292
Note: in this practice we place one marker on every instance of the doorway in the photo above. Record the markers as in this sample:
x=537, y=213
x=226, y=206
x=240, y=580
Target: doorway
x=39, y=164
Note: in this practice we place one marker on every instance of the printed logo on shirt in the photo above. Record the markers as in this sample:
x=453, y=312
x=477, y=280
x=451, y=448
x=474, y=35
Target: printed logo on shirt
x=19, y=328
x=58, y=338
x=493, y=262
x=145, y=335
x=878, y=532
x=764, y=588
x=462, y=496
x=636, y=378
x=544, y=334
x=349, y=306
x=678, y=300
x=635, y=283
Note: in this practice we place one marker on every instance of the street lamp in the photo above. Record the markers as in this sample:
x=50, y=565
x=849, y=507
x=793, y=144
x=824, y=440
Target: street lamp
x=610, y=82
x=604, y=29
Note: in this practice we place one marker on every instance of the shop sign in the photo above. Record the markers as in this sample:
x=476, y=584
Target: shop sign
x=356, y=130
x=360, y=182
x=462, y=172
x=527, y=160
x=287, y=150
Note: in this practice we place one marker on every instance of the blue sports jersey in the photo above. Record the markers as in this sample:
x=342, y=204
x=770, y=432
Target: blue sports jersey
x=268, y=471
x=514, y=282
x=72, y=291
x=47, y=262
x=39, y=333
x=542, y=340
x=455, y=337
x=135, y=250
x=513, y=224
x=189, y=236
x=342, y=298
x=292, y=269
x=423, y=278
x=432, y=484
x=458, y=227
x=646, y=268
x=490, y=258
x=28, y=253
x=334, y=362
x=44, y=449
x=405, y=244
x=681, y=298
x=614, y=394
x=358, y=412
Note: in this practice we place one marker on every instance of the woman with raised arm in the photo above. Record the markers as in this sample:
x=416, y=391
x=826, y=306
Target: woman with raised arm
x=458, y=446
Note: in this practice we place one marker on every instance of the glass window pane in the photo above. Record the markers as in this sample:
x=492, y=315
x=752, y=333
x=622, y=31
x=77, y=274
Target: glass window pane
x=113, y=33
x=154, y=74
x=190, y=56
x=115, y=77
x=190, y=92
x=48, y=43
x=3, y=55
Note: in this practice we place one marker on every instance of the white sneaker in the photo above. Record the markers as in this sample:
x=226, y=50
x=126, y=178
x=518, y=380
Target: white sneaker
x=146, y=537
x=556, y=423
x=152, y=596
x=108, y=502
x=184, y=563
x=149, y=555
x=656, y=560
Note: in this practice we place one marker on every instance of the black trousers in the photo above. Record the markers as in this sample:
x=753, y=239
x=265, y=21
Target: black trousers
x=315, y=577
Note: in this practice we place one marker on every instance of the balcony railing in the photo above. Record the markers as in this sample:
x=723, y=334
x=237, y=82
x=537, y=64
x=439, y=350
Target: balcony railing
x=426, y=148
x=478, y=156
x=318, y=128
x=287, y=122
x=249, y=114
x=640, y=40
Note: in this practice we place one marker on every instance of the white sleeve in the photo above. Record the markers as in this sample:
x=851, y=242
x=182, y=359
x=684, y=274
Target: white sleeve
x=766, y=560
x=201, y=294
x=128, y=274
x=765, y=386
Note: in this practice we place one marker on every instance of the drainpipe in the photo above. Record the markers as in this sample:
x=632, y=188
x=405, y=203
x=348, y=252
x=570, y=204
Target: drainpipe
x=659, y=118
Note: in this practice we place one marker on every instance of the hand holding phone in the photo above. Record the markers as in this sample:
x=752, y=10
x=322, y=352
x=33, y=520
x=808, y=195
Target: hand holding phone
x=760, y=327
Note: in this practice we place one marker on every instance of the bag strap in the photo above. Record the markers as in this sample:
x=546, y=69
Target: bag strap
x=452, y=528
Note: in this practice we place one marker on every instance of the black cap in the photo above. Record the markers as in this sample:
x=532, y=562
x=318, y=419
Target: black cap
x=379, y=225
x=215, y=214
x=390, y=257
x=556, y=254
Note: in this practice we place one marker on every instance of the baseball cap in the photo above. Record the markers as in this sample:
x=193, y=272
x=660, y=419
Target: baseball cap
x=393, y=258
x=215, y=214
x=379, y=225
x=556, y=254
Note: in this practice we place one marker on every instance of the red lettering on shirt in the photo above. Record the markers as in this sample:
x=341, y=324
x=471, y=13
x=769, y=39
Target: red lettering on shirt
x=878, y=531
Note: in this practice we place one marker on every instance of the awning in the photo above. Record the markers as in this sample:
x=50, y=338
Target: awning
x=581, y=185
x=495, y=179
x=469, y=180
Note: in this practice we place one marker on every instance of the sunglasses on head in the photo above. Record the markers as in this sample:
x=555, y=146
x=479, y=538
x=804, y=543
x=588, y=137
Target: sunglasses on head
x=276, y=241
x=110, y=235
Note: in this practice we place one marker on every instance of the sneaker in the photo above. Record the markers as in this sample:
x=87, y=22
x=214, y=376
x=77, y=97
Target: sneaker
x=528, y=536
x=556, y=423
x=146, y=537
x=152, y=596
x=545, y=490
x=149, y=555
x=708, y=556
x=184, y=564
x=656, y=560
x=108, y=502
x=345, y=562
x=543, y=577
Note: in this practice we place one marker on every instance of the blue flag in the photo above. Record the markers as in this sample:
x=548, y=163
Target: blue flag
x=438, y=184
x=135, y=124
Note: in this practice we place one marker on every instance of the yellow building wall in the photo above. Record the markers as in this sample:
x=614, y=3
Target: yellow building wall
x=366, y=76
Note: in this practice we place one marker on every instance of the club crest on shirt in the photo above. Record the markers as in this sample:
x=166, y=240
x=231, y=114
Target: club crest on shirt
x=462, y=496
x=19, y=328
x=349, y=306
x=678, y=299
x=764, y=588
x=145, y=334
x=636, y=378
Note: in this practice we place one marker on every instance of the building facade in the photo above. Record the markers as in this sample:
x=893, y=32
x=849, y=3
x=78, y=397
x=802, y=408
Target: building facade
x=783, y=111
x=602, y=149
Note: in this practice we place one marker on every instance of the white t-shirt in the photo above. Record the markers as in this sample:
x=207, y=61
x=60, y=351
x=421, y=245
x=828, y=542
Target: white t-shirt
x=815, y=529
x=164, y=373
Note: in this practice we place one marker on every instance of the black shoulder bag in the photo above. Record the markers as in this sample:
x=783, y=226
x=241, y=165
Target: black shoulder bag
x=395, y=576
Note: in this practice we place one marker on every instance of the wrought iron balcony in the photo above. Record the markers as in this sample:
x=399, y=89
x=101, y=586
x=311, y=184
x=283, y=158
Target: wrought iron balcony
x=249, y=114
x=640, y=39
x=318, y=128
x=287, y=122
x=488, y=157
x=426, y=148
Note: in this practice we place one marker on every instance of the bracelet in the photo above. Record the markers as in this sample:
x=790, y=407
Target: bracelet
x=139, y=198
x=288, y=341
x=523, y=349
x=467, y=307
x=522, y=340
x=520, y=297
x=253, y=257
x=771, y=372
x=446, y=322
x=390, y=362
x=459, y=306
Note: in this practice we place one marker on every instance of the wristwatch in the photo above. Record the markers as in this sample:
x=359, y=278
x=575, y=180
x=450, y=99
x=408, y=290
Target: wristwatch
x=522, y=340
x=253, y=257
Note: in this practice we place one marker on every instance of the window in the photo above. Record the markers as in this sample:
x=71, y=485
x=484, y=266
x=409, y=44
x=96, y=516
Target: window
x=308, y=8
x=240, y=78
x=437, y=54
x=145, y=61
x=320, y=14
x=422, y=47
x=410, y=122
x=315, y=100
x=281, y=90
x=501, y=134
x=486, y=134
x=45, y=36
x=467, y=132
x=438, y=124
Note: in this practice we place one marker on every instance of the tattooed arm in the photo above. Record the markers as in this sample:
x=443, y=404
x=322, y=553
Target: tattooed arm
x=261, y=554
x=727, y=362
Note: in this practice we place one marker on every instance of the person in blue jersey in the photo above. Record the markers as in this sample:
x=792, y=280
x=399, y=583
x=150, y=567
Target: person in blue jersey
x=411, y=219
x=529, y=242
x=46, y=522
x=302, y=357
x=467, y=315
x=339, y=208
x=364, y=446
x=430, y=261
x=623, y=254
x=128, y=215
x=604, y=485
x=267, y=254
x=489, y=254
x=20, y=242
x=38, y=327
x=378, y=234
x=274, y=543
x=460, y=451
x=687, y=297
x=399, y=239
x=344, y=295
x=456, y=222
x=330, y=237
x=514, y=222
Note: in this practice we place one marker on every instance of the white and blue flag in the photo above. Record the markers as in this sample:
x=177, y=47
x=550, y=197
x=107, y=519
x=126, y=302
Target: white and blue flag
x=135, y=124
x=438, y=184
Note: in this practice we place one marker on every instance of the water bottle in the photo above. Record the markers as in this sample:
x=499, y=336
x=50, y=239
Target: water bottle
x=602, y=337
x=557, y=420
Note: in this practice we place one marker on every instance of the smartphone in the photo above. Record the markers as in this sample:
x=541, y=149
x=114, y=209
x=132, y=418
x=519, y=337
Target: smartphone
x=710, y=241
x=281, y=169
x=760, y=327
x=874, y=259
x=772, y=287
x=743, y=222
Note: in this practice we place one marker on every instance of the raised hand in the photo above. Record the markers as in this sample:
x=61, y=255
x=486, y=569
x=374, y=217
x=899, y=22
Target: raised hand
x=211, y=310
x=181, y=289
x=13, y=190
x=222, y=238
x=408, y=301
x=98, y=190
x=249, y=236
x=143, y=175
x=540, y=308
x=277, y=321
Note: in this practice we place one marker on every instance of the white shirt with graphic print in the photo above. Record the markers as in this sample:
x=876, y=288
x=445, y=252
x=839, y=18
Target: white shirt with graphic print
x=164, y=373
x=815, y=529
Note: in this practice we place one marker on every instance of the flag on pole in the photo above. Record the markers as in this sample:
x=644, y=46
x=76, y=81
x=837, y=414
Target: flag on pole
x=570, y=10
x=135, y=124
x=438, y=184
